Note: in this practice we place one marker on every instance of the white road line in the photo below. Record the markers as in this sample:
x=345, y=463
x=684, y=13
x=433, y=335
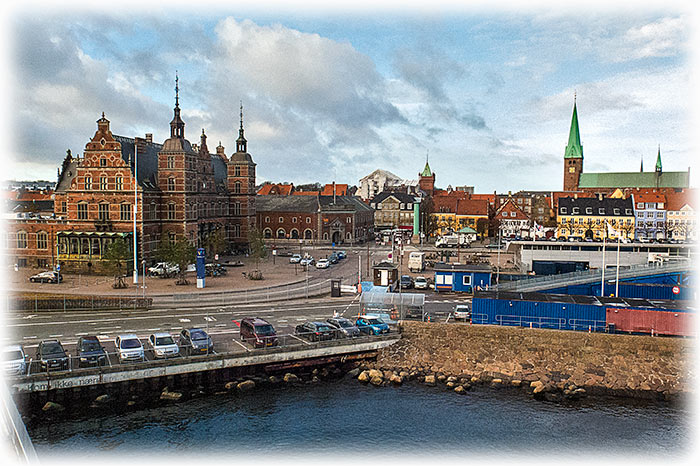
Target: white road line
x=153, y=329
x=282, y=320
x=175, y=328
x=185, y=320
x=81, y=334
x=241, y=344
x=27, y=338
x=300, y=339
x=220, y=325
x=56, y=335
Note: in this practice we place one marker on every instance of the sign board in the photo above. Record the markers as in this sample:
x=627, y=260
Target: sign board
x=274, y=252
x=216, y=257
x=200, y=261
x=58, y=267
x=675, y=290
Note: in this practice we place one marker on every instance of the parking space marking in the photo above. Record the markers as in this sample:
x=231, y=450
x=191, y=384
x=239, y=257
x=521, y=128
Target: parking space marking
x=27, y=338
x=220, y=325
x=56, y=336
x=81, y=334
x=210, y=319
x=241, y=344
x=300, y=339
x=282, y=320
x=153, y=329
x=175, y=328
x=185, y=320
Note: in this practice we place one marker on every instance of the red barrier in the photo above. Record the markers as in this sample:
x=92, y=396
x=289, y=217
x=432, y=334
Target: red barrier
x=644, y=321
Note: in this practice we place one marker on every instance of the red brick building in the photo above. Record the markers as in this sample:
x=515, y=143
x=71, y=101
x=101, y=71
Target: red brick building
x=175, y=190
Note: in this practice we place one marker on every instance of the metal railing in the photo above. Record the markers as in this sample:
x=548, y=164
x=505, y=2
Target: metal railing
x=586, y=276
x=15, y=430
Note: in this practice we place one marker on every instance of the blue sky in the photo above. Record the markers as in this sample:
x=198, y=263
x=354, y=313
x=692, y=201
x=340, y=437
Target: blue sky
x=487, y=91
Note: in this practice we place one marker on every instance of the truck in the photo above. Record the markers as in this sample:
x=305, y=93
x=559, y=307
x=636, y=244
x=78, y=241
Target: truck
x=164, y=270
x=416, y=261
x=451, y=241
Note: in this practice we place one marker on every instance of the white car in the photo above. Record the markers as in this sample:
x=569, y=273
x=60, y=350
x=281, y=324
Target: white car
x=295, y=259
x=129, y=348
x=322, y=264
x=163, y=345
x=307, y=261
x=462, y=312
x=14, y=360
x=420, y=283
x=46, y=277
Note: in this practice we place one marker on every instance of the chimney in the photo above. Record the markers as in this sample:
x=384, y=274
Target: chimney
x=600, y=196
x=149, y=137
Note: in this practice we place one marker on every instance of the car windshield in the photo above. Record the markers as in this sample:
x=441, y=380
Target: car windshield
x=91, y=345
x=12, y=355
x=264, y=330
x=323, y=328
x=374, y=321
x=198, y=335
x=164, y=341
x=420, y=280
x=345, y=323
x=130, y=343
x=52, y=348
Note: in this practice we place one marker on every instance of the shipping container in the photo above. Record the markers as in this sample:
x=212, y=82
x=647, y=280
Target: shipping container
x=629, y=290
x=644, y=321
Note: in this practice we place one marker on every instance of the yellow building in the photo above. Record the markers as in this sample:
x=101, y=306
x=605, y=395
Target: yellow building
x=587, y=218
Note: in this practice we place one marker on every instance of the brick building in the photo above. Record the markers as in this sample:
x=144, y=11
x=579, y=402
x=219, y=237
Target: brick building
x=175, y=190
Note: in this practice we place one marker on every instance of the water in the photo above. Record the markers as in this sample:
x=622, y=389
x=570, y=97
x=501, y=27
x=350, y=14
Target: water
x=345, y=416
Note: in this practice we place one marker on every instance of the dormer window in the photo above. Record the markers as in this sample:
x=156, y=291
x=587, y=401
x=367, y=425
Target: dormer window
x=589, y=210
x=563, y=210
x=574, y=210
x=616, y=211
x=103, y=161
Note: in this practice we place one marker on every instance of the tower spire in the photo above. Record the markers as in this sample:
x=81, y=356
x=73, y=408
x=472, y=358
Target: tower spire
x=241, y=143
x=574, y=149
x=177, y=126
x=641, y=165
x=658, y=161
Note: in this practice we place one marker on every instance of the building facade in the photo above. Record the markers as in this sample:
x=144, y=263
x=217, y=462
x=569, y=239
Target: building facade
x=589, y=218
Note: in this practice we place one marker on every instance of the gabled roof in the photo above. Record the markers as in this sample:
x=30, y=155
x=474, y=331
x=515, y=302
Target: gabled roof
x=634, y=180
x=401, y=197
x=510, y=206
x=648, y=197
x=608, y=206
x=277, y=203
x=380, y=172
x=676, y=201
x=272, y=188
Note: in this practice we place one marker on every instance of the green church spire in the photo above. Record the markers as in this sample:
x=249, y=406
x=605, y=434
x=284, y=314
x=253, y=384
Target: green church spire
x=426, y=171
x=658, y=161
x=574, y=149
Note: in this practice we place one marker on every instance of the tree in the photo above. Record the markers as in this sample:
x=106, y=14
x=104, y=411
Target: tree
x=117, y=257
x=180, y=253
x=256, y=240
x=428, y=221
x=216, y=242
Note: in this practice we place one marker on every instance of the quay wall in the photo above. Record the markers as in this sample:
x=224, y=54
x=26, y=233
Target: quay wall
x=606, y=364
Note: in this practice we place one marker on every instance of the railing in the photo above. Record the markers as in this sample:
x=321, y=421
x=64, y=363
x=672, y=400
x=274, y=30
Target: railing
x=586, y=276
x=42, y=302
x=16, y=431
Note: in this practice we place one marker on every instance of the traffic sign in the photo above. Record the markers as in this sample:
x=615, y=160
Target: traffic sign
x=58, y=267
x=676, y=290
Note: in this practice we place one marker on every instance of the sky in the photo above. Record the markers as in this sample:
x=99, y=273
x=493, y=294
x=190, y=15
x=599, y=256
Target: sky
x=484, y=92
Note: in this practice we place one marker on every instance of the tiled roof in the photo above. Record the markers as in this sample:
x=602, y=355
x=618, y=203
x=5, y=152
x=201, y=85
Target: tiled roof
x=607, y=205
x=340, y=190
x=634, y=179
x=272, y=188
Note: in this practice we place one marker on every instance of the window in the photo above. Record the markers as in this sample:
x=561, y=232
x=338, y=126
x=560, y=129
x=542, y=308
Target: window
x=82, y=211
x=308, y=234
x=505, y=214
x=171, y=162
x=574, y=210
x=125, y=211
x=237, y=209
x=616, y=211
x=629, y=212
x=171, y=184
x=589, y=210
x=267, y=233
x=237, y=187
x=64, y=206
x=467, y=280
x=348, y=220
x=308, y=219
x=120, y=183
x=512, y=214
x=103, y=211
x=280, y=220
x=640, y=205
x=171, y=211
x=152, y=214
x=103, y=162
x=172, y=237
x=563, y=210
x=267, y=219
x=103, y=183
x=22, y=239
x=236, y=171
x=88, y=182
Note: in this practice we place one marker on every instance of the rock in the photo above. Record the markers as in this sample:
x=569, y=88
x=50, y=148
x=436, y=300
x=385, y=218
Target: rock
x=167, y=395
x=245, y=386
x=475, y=379
x=363, y=377
x=539, y=388
x=315, y=379
x=430, y=380
x=388, y=374
x=396, y=379
x=354, y=372
x=441, y=378
x=131, y=403
x=52, y=407
x=376, y=381
x=459, y=389
x=536, y=384
x=516, y=382
x=273, y=380
x=579, y=392
x=452, y=379
x=290, y=378
x=450, y=384
x=102, y=399
x=404, y=374
x=375, y=373
x=496, y=382
x=230, y=385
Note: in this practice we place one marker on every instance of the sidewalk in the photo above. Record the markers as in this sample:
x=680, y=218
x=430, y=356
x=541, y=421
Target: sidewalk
x=276, y=272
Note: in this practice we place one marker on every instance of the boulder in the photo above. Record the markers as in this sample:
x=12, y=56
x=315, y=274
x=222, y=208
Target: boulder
x=290, y=378
x=102, y=399
x=442, y=378
x=245, y=386
x=52, y=407
x=496, y=382
x=375, y=373
x=167, y=395
x=230, y=385
x=430, y=380
x=459, y=389
x=516, y=382
x=354, y=372
x=396, y=379
x=452, y=379
x=315, y=379
x=273, y=380
x=376, y=381
x=363, y=377
x=475, y=379
x=450, y=384
x=131, y=403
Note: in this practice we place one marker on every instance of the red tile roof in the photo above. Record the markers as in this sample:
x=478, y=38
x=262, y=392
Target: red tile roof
x=279, y=189
x=340, y=190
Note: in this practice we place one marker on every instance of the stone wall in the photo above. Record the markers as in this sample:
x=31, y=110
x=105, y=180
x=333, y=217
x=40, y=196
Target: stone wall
x=624, y=365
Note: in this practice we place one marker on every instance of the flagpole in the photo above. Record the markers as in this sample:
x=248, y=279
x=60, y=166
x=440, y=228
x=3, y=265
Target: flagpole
x=136, y=182
x=617, y=272
x=602, y=279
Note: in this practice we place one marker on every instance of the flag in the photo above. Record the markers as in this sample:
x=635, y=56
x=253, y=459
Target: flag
x=537, y=227
x=612, y=231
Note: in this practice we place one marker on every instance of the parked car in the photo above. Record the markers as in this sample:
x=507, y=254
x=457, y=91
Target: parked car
x=14, y=360
x=315, y=331
x=164, y=269
x=307, y=261
x=214, y=270
x=371, y=325
x=420, y=283
x=52, y=356
x=406, y=282
x=129, y=348
x=163, y=345
x=333, y=258
x=322, y=264
x=344, y=327
x=295, y=259
x=462, y=312
x=341, y=255
x=46, y=277
x=259, y=332
x=90, y=352
x=196, y=341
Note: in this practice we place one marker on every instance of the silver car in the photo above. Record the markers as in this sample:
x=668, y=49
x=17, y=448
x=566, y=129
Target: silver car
x=129, y=348
x=14, y=360
x=462, y=312
x=163, y=345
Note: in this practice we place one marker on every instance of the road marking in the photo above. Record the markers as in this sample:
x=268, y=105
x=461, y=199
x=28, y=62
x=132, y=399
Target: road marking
x=56, y=335
x=241, y=344
x=210, y=319
x=300, y=339
x=220, y=325
x=81, y=334
x=106, y=337
x=185, y=320
x=300, y=320
x=175, y=328
x=29, y=316
x=282, y=320
x=27, y=338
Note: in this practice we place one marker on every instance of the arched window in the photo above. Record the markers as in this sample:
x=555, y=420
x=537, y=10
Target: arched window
x=325, y=236
x=267, y=233
x=294, y=234
x=236, y=208
x=348, y=235
x=120, y=183
x=281, y=233
x=237, y=187
x=88, y=182
x=308, y=234
x=171, y=211
x=103, y=182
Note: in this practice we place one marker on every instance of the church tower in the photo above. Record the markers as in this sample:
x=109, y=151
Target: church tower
x=426, y=179
x=573, y=155
x=241, y=188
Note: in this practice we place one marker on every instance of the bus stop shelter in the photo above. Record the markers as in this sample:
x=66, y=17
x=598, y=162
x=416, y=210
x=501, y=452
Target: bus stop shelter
x=398, y=306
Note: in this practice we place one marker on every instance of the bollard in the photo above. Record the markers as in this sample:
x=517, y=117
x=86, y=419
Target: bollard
x=589, y=329
x=530, y=324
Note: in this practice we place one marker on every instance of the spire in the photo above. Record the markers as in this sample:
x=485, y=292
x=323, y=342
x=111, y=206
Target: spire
x=658, y=161
x=426, y=171
x=574, y=149
x=177, y=126
x=241, y=142
x=641, y=165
